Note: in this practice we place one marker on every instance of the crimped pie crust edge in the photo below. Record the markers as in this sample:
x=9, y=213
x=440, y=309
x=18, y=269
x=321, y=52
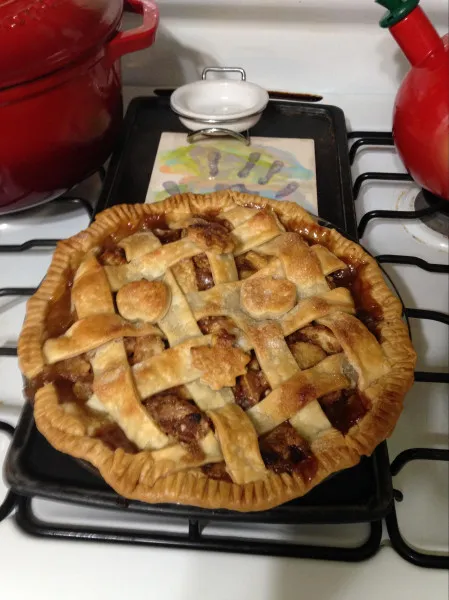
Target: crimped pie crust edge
x=130, y=475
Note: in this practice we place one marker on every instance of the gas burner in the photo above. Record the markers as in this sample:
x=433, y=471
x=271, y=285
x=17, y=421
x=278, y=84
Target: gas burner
x=439, y=220
x=431, y=229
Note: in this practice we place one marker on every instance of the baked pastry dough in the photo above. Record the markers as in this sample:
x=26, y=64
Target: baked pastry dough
x=219, y=350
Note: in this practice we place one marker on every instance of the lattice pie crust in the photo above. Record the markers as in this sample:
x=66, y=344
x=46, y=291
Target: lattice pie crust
x=223, y=351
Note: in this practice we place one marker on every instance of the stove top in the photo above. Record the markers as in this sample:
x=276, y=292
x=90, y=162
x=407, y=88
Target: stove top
x=418, y=447
x=417, y=262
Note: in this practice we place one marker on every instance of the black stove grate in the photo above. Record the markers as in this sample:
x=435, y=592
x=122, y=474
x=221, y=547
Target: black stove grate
x=397, y=214
x=29, y=522
x=195, y=539
x=11, y=498
x=417, y=557
x=370, y=139
x=35, y=245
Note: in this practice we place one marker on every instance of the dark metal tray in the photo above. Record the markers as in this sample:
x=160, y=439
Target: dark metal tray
x=34, y=468
x=363, y=493
x=130, y=169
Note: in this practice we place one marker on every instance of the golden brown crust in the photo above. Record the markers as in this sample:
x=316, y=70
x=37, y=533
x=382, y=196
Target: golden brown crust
x=267, y=298
x=90, y=333
x=144, y=300
x=219, y=364
x=211, y=237
x=240, y=445
x=139, y=475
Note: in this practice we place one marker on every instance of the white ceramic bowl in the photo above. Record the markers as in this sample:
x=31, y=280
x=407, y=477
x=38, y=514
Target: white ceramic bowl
x=234, y=105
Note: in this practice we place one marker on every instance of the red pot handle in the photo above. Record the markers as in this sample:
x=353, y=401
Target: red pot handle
x=140, y=38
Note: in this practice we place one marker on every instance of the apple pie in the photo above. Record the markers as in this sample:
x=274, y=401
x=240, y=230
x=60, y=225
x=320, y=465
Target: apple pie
x=219, y=350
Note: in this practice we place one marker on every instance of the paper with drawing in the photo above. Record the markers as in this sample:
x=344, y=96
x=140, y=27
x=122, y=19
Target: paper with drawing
x=281, y=168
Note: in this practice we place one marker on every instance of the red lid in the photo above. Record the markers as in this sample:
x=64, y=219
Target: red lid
x=40, y=36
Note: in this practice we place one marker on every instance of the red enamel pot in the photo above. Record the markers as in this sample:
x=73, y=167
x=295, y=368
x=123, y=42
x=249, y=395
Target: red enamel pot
x=60, y=91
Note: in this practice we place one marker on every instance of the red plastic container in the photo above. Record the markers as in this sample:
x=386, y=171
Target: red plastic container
x=421, y=112
x=60, y=91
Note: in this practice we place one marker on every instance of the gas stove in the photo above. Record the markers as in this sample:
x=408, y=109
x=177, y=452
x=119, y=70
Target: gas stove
x=414, y=253
x=415, y=257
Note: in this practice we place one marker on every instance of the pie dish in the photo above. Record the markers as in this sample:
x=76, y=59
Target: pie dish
x=219, y=350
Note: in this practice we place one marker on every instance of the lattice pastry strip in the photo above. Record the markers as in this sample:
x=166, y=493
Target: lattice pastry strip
x=151, y=265
x=90, y=292
x=328, y=261
x=92, y=332
x=301, y=266
x=238, y=440
x=300, y=389
x=253, y=232
x=113, y=381
x=223, y=267
x=360, y=346
x=116, y=392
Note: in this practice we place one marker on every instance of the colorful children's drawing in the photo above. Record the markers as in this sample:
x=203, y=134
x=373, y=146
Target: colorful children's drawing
x=280, y=168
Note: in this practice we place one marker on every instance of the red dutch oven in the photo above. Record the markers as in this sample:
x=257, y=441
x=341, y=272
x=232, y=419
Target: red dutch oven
x=60, y=91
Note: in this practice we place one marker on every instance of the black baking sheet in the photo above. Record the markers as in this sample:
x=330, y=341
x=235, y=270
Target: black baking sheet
x=131, y=166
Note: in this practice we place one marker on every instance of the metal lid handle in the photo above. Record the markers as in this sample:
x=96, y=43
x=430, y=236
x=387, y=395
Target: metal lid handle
x=224, y=70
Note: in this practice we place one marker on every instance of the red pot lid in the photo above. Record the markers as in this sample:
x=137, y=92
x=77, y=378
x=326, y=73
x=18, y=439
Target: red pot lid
x=41, y=36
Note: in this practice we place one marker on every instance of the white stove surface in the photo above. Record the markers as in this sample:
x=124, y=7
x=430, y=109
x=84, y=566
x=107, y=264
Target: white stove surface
x=100, y=571
x=424, y=421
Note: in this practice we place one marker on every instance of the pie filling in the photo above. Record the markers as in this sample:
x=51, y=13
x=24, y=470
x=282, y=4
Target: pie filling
x=216, y=471
x=142, y=348
x=178, y=416
x=249, y=263
x=252, y=387
x=60, y=315
x=218, y=326
x=283, y=450
x=112, y=256
x=72, y=377
x=114, y=437
x=203, y=272
x=367, y=309
x=343, y=409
